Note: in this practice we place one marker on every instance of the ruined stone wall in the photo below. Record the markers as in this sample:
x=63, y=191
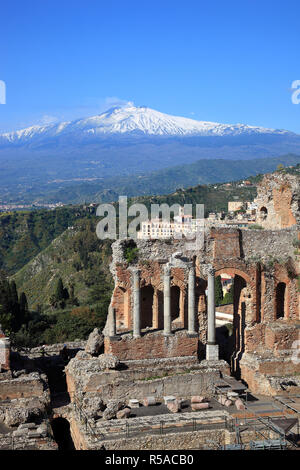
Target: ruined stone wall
x=261, y=245
x=260, y=260
x=227, y=308
x=152, y=346
x=204, y=439
x=278, y=201
x=156, y=378
x=22, y=387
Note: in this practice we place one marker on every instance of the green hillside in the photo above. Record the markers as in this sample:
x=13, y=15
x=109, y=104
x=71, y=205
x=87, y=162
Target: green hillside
x=68, y=288
x=78, y=257
x=163, y=181
x=24, y=234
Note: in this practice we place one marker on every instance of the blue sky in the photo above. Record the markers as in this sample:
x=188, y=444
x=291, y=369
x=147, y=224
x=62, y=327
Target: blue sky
x=225, y=61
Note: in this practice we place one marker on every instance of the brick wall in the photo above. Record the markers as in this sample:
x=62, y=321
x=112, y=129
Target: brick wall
x=152, y=345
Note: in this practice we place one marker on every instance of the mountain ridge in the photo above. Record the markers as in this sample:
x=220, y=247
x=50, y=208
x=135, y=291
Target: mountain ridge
x=127, y=141
x=130, y=120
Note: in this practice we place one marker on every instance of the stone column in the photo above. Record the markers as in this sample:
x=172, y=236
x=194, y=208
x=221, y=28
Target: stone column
x=212, y=349
x=4, y=353
x=167, y=301
x=136, y=303
x=112, y=322
x=191, y=302
x=155, y=309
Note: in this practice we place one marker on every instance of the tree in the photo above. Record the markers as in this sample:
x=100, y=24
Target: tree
x=23, y=303
x=228, y=297
x=218, y=290
x=61, y=294
x=13, y=293
x=59, y=290
x=5, y=321
x=17, y=317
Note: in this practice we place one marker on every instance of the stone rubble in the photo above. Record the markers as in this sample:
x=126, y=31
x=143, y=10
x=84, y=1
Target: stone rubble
x=95, y=342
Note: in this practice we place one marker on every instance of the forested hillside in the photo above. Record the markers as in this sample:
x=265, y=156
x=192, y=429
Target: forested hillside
x=24, y=234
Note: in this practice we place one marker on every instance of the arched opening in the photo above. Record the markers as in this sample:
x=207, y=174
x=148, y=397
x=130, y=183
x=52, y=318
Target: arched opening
x=280, y=299
x=231, y=316
x=201, y=315
x=160, y=309
x=121, y=304
x=175, y=302
x=147, y=306
x=263, y=212
x=62, y=434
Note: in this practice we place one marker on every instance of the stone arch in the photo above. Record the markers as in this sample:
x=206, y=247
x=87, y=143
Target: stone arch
x=234, y=347
x=263, y=212
x=233, y=271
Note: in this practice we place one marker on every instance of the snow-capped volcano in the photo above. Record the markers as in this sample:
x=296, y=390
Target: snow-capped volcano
x=130, y=140
x=131, y=120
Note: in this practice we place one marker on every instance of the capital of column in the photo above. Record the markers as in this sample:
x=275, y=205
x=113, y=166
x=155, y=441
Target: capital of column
x=167, y=270
x=192, y=271
x=211, y=271
x=135, y=271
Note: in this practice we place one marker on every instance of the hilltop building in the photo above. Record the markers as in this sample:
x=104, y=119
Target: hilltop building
x=183, y=224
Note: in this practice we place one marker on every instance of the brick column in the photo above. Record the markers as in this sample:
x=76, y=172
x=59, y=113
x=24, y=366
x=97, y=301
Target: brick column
x=191, y=301
x=136, y=303
x=167, y=301
x=212, y=349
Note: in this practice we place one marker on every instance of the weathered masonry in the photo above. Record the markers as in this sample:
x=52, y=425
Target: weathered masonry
x=163, y=305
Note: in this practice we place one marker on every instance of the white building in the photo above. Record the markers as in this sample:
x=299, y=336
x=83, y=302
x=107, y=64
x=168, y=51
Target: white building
x=183, y=224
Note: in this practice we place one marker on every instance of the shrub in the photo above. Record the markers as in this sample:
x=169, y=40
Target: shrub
x=131, y=254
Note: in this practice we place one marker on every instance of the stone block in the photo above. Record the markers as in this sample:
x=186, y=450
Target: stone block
x=123, y=413
x=239, y=404
x=133, y=403
x=94, y=342
x=149, y=401
x=169, y=398
x=173, y=406
x=212, y=352
x=197, y=399
x=200, y=406
x=228, y=403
